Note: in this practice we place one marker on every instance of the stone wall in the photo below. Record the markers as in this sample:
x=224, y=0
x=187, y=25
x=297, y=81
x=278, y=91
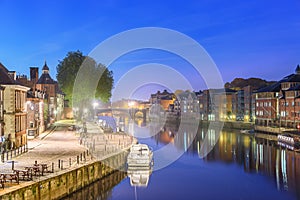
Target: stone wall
x=57, y=186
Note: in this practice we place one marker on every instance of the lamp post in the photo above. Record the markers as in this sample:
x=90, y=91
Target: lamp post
x=95, y=104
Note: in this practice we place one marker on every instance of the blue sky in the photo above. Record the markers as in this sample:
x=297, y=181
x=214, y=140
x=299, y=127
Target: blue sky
x=244, y=38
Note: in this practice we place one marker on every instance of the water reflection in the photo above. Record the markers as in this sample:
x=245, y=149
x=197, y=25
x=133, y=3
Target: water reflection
x=100, y=190
x=254, y=154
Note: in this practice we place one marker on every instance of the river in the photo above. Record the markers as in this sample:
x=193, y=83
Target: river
x=239, y=166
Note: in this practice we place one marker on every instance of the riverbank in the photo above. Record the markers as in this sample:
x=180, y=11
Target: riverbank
x=71, y=164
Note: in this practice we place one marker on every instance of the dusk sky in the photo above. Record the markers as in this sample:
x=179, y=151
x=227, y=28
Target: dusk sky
x=244, y=38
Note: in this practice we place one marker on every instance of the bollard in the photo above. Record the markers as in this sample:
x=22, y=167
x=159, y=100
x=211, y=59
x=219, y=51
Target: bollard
x=52, y=167
x=61, y=164
x=70, y=162
x=21, y=149
x=81, y=157
x=77, y=159
x=84, y=156
x=87, y=152
x=12, y=165
x=58, y=164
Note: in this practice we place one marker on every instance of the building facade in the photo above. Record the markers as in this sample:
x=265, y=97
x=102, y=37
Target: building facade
x=277, y=104
x=54, y=98
x=14, y=108
x=35, y=113
x=164, y=99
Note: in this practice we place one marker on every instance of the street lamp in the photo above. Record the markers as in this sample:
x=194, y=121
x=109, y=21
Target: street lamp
x=95, y=104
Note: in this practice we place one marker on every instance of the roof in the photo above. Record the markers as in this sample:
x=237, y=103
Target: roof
x=4, y=77
x=45, y=67
x=277, y=86
x=3, y=68
x=297, y=87
x=45, y=79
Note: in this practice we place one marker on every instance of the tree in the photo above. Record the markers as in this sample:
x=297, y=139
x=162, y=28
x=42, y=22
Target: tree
x=75, y=65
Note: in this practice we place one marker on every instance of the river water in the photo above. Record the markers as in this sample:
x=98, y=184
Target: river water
x=240, y=166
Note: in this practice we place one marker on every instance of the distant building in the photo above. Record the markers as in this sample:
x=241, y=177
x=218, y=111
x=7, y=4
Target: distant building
x=249, y=104
x=204, y=105
x=54, y=98
x=187, y=103
x=217, y=104
x=164, y=99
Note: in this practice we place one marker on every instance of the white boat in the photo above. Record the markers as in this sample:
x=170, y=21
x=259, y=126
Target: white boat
x=289, y=139
x=140, y=155
x=139, y=177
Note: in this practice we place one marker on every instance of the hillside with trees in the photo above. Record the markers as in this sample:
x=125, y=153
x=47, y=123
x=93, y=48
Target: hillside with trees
x=256, y=83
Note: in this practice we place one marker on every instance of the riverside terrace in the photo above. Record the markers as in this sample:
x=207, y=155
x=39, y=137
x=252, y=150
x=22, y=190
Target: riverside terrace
x=55, y=151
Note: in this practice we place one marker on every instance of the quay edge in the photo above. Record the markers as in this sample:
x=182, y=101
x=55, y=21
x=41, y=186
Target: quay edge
x=64, y=183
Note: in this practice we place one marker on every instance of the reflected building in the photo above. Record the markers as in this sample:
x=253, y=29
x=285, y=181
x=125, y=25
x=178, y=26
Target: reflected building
x=258, y=155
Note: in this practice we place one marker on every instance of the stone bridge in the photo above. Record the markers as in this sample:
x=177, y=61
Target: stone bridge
x=131, y=111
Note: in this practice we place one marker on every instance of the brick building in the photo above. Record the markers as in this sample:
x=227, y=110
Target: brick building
x=278, y=104
x=54, y=98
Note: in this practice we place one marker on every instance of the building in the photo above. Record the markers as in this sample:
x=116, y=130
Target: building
x=248, y=104
x=14, y=108
x=54, y=98
x=1, y=106
x=277, y=104
x=35, y=113
x=289, y=98
x=267, y=105
x=204, y=105
x=187, y=103
x=164, y=99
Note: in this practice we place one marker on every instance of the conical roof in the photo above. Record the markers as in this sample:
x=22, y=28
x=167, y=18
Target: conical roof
x=45, y=68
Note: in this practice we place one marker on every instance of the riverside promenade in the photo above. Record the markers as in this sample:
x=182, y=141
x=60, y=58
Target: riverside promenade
x=61, y=149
